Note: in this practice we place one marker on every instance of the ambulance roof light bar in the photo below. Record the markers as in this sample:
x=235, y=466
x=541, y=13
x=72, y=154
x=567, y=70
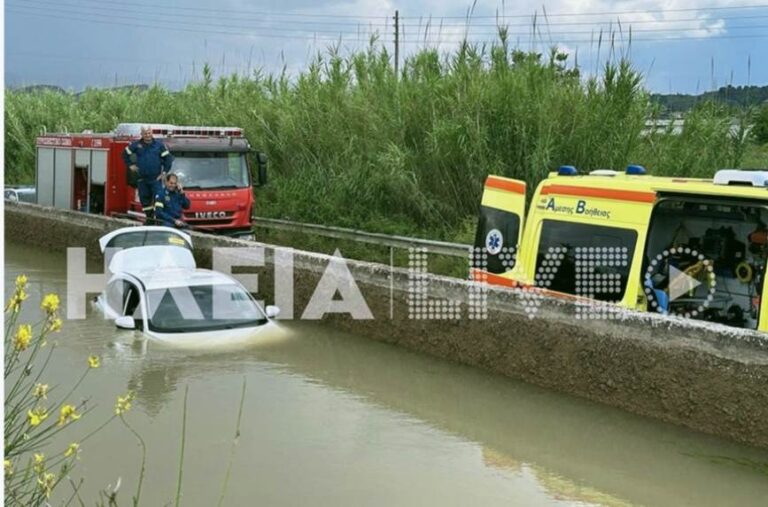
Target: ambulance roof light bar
x=567, y=170
x=741, y=177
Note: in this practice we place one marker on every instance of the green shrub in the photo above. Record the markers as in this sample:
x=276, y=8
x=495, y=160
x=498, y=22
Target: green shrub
x=760, y=126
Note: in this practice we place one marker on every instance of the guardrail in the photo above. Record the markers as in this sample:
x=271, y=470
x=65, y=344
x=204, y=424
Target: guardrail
x=374, y=238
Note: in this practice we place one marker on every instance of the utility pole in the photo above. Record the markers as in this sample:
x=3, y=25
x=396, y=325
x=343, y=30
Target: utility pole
x=397, y=44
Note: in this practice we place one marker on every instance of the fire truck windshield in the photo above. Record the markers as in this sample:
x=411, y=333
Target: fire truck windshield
x=210, y=170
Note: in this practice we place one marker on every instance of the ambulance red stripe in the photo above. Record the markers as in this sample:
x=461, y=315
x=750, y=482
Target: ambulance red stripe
x=603, y=193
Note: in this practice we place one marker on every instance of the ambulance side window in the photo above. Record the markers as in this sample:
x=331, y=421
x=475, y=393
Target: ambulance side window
x=594, y=261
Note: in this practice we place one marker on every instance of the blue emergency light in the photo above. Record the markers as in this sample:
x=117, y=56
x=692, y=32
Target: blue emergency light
x=635, y=169
x=567, y=170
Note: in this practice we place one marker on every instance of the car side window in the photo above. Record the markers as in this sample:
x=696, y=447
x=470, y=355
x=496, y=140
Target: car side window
x=124, y=298
x=114, y=295
x=131, y=298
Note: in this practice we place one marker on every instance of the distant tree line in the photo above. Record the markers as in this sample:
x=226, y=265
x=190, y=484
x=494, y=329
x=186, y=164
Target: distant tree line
x=742, y=96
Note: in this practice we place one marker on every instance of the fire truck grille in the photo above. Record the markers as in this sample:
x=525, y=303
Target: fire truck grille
x=219, y=221
x=209, y=218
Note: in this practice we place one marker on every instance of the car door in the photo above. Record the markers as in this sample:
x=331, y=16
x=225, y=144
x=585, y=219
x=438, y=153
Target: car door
x=123, y=298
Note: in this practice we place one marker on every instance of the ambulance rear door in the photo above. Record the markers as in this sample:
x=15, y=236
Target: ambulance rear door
x=500, y=227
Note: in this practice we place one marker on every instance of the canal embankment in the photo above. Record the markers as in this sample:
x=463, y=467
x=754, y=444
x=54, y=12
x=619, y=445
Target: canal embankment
x=708, y=378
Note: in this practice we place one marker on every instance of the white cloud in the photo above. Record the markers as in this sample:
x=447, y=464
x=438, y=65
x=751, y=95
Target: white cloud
x=648, y=19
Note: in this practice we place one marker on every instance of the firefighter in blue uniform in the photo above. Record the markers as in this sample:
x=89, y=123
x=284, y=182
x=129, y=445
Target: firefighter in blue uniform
x=149, y=160
x=170, y=202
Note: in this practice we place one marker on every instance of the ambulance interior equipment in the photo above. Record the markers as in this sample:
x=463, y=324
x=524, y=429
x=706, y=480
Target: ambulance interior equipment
x=721, y=248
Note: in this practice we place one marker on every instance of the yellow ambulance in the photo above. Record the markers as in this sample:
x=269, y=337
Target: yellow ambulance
x=695, y=248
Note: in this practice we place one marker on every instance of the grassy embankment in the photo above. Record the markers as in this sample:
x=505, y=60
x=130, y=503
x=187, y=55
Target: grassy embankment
x=352, y=145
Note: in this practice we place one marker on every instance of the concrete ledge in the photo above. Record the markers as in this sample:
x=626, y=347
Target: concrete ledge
x=709, y=378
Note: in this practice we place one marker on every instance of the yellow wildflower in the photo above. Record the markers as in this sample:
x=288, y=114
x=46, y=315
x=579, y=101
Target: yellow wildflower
x=123, y=403
x=41, y=391
x=21, y=281
x=19, y=295
x=15, y=303
x=46, y=482
x=39, y=466
x=50, y=303
x=94, y=361
x=66, y=414
x=8, y=467
x=37, y=416
x=73, y=448
x=54, y=325
x=23, y=337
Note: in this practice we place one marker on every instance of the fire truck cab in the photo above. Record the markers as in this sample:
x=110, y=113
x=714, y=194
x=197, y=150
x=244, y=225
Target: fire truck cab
x=86, y=172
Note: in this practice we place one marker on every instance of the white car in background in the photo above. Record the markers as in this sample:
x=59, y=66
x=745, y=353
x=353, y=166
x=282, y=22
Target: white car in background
x=20, y=194
x=156, y=288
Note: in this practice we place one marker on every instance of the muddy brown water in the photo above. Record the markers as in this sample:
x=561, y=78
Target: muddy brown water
x=337, y=419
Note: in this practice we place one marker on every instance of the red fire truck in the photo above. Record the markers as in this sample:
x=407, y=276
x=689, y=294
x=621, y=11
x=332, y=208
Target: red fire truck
x=86, y=172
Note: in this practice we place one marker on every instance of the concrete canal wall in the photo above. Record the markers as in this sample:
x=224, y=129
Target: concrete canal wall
x=709, y=378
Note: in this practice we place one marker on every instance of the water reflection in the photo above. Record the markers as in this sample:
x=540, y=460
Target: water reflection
x=576, y=450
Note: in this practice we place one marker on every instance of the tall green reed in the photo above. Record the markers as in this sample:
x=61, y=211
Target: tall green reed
x=353, y=144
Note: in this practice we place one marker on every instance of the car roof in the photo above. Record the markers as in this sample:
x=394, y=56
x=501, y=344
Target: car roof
x=168, y=278
x=172, y=233
x=151, y=258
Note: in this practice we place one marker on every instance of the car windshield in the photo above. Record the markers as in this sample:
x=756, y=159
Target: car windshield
x=202, y=308
x=211, y=170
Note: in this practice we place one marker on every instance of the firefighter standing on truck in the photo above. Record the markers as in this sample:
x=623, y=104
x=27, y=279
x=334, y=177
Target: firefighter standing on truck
x=170, y=202
x=148, y=159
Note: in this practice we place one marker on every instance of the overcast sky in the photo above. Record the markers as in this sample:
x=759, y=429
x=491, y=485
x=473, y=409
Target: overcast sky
x=680, y=45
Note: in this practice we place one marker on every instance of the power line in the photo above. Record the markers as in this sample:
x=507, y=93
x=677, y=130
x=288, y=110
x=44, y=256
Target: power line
x=176, y=15
x=600, y=22
x=454, y=40
x=105, y=18
x=627, y=30
x=173, y=11
x=272, y=13
x=112, y=5
x=430, y=20
x=176, y=22
x=611, y=13
x=96, y=17
x=176, y=28
x=49, y=56
x=587, y=41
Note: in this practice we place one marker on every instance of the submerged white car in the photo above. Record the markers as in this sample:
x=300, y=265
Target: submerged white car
x=156, y=288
